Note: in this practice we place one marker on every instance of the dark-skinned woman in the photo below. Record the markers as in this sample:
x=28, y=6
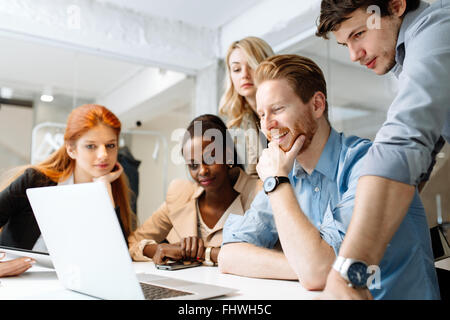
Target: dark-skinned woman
x=195, y=211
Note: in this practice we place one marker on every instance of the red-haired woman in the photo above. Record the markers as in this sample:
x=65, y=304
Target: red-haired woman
x=89, y=154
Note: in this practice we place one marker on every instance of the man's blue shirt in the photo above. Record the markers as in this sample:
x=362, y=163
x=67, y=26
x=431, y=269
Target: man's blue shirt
x=326, y=197
x=405, y=146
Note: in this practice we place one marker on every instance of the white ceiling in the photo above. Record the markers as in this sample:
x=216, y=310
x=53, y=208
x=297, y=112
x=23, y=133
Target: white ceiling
x=204, y=13
x=33, y=66
x=29, y=66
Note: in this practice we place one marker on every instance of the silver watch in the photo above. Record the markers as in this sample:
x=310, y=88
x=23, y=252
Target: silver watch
x=354, y=271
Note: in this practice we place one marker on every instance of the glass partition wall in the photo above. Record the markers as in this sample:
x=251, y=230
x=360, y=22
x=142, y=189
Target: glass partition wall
x=41, y=84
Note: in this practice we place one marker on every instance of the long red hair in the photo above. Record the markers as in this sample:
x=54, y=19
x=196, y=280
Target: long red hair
x=59, y=166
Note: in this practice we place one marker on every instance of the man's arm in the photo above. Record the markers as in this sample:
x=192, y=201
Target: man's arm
x=248, y=260
x=380, y=206
x=308, y=254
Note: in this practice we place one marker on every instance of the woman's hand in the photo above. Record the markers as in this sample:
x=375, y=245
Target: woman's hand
x=14, y=267
x=108, y=178
x=192, y=248
x=166, y=251
x=111, y=176
x=189, y=249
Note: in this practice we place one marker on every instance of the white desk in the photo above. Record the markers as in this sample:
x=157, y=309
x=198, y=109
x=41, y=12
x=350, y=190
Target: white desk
x=42, y=283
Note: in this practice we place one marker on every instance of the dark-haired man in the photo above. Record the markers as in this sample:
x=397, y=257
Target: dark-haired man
x=411, y=38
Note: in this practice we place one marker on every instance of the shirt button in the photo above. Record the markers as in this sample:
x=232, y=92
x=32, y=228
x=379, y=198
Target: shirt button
x=317, y=189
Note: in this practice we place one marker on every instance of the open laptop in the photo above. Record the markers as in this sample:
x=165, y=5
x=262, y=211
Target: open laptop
x=87, y=247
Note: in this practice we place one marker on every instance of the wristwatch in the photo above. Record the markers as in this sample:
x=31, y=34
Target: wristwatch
x=354, y=271
x=208, y=261
x=271, y=183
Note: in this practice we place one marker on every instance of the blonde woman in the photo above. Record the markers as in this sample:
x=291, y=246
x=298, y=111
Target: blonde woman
x=238, y=104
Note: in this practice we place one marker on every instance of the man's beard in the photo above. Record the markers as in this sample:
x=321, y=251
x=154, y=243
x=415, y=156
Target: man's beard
x=390, y=65
x=307, y=127
x=392, y=56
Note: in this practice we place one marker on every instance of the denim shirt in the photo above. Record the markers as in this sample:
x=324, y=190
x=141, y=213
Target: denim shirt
x=409, y=139
x=326, y=197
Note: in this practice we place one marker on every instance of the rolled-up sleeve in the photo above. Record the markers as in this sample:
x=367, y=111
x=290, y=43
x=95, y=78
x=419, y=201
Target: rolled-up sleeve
x=330, y=234
x=256, y=226
x=337, y=218
x=336, y=222
x=420, y=113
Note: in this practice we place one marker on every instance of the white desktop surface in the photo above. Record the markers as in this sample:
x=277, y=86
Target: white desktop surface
x=41, y=284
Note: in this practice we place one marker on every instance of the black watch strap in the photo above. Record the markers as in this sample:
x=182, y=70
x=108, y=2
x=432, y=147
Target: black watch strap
x=271, y=183
x=282, y=179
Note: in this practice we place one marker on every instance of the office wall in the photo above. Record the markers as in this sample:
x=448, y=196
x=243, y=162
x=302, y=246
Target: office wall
x=16, y=124
x=151, y=191
x=57, y=111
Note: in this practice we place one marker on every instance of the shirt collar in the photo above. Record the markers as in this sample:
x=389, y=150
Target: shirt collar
x=328, y=161
x=298, y=171
x=408, y=20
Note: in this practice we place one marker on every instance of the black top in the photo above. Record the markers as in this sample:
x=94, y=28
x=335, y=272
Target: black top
x=20, y=228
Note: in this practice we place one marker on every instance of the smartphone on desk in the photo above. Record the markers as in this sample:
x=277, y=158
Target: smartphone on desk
x=177, y=265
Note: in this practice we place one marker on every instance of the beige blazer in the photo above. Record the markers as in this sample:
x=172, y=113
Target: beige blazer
x=178, y=214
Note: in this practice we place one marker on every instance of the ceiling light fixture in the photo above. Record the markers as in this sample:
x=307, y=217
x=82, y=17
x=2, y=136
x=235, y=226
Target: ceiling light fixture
x=47, y=95
x=6, y=93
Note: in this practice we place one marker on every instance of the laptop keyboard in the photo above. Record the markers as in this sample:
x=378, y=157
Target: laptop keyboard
x=152, y=292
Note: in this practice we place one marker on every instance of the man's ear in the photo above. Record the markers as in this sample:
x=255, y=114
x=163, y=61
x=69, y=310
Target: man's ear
x=319, y=102
x=397, y=7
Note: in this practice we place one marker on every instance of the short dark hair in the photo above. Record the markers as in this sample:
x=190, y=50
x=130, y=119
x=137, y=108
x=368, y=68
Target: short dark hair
x=334, y=12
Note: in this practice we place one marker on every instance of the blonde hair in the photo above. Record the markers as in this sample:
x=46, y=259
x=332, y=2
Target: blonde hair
x=233, y=105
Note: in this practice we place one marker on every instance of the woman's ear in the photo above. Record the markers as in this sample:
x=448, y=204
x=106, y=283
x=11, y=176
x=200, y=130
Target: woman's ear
x=70, y=149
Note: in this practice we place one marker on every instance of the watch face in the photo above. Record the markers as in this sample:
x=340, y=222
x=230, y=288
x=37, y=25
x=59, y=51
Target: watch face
x=357, y=274
x=269, y=184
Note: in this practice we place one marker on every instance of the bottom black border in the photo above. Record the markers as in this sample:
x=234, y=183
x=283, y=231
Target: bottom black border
x=219, y=309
